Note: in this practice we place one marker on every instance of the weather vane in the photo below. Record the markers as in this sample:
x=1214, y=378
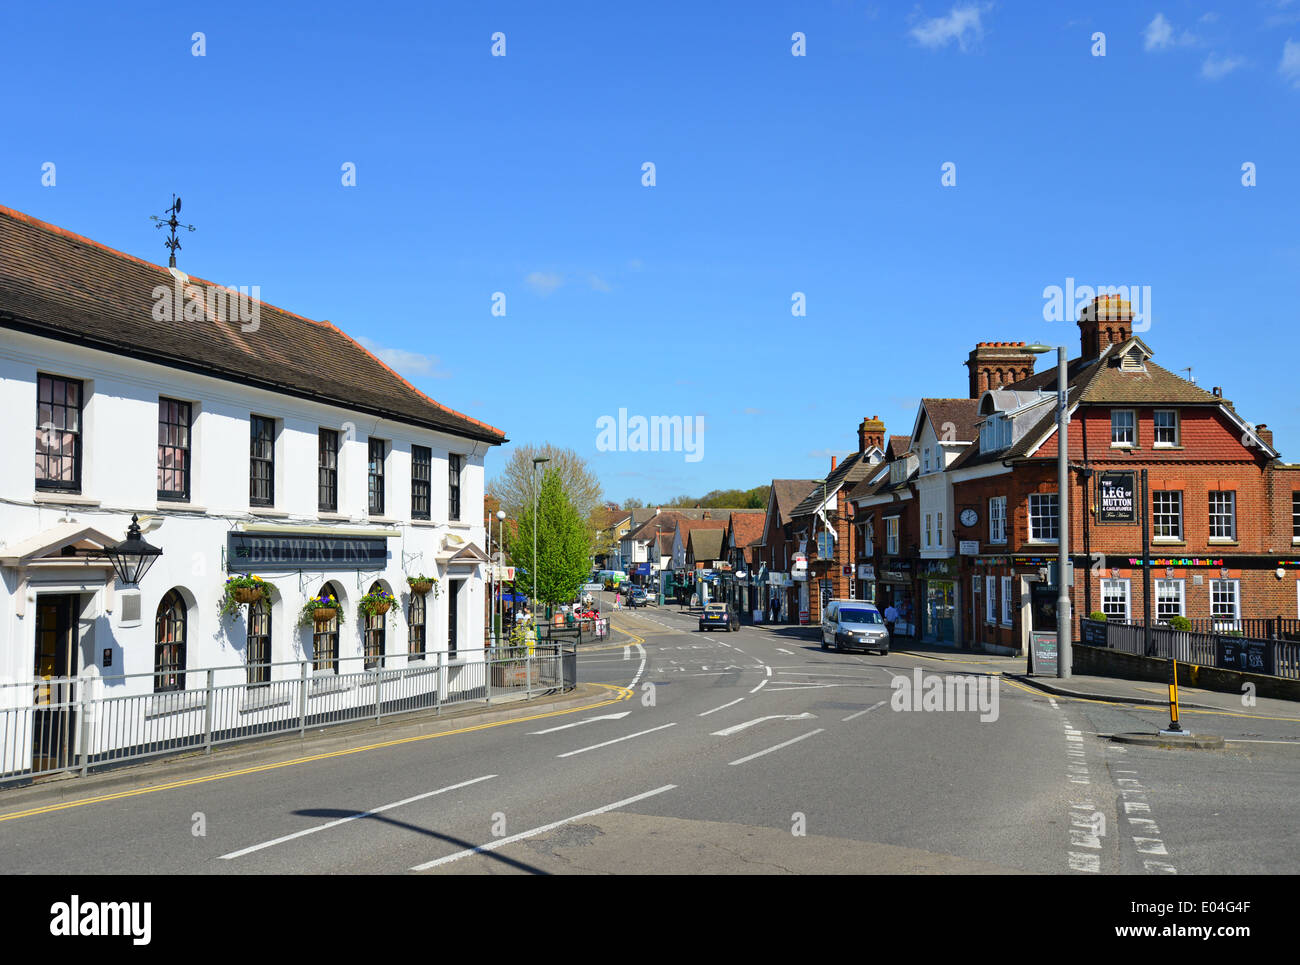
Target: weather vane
x=173, y=242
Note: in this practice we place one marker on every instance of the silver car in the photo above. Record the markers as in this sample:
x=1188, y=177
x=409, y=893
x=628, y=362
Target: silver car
x=854, y=625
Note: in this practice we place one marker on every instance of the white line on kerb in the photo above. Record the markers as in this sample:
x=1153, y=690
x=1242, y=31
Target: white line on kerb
x=879, y=703
x=811, y=733
x=334, y=824
x=502, y=842
x=583, y=750
x=723, y=707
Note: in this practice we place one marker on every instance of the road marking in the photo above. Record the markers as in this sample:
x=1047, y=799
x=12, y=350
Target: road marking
x=627, y=652
x=737, y=728
x=354, y=817
x=1242, y=740
x=583, y=750
x=879, y=703
x=723, y=707
x=641, y=669
x=624, y=693
x=579, y=723
x=784, y=650
x=768, y=669
x=760, y=686
x=811, y=733
x=502, y=842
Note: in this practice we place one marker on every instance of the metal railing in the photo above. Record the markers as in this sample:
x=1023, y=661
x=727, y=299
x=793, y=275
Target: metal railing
x=1188, y=646
x=80, y=724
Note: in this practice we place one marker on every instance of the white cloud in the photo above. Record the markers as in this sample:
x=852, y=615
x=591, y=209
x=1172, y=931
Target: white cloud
x=598, y=284
x=1289, y=68
x=1160, y=35
x=1217, y=67
x=962, y=24
x=404, y=362
x=544, y=282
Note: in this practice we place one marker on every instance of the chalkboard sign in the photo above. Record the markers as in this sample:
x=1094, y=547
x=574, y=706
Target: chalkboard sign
x=1117, y=497
x=1249, y=656
x=1042, y=651
x=1094, y=632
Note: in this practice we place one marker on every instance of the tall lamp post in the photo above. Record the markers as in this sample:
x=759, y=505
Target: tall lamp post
x=498, y=604
x=1064, y=617
x=537, y=460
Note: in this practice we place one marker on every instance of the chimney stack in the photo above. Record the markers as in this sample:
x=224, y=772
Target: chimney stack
x=1265, y=434
x=1106, y=320
x=832, y=463
x=995, y=364
x=871, y=432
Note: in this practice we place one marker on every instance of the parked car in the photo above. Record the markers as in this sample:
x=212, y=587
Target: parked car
x=636, y=596
x=716, y=616
x=854, y=625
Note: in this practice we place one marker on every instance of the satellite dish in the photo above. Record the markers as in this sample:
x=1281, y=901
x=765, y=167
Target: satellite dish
x=178, y=205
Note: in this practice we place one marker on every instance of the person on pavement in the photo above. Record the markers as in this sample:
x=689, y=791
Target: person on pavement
x=891, y=617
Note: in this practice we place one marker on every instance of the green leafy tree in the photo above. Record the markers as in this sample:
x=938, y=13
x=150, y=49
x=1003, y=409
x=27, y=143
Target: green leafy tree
x=563, y=544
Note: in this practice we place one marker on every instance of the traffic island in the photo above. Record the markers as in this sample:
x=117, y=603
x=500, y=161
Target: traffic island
x=1171, y=740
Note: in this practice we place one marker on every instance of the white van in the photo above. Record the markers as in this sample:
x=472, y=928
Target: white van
x=854, y=625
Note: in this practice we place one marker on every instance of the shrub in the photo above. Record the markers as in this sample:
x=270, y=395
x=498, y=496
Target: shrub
x=1179, y=623
x=1097, y=615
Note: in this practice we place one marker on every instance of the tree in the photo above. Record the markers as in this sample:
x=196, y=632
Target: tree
x=563, y=543
x=514, y=487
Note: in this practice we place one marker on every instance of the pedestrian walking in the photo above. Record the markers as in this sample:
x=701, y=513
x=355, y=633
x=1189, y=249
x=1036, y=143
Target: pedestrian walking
x=891, y=617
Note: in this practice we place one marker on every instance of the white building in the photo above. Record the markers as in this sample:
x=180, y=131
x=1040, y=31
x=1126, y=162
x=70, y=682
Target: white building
x=273, y=446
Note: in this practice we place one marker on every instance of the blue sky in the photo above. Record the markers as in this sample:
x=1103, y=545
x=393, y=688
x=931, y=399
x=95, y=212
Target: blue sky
x=774, y=174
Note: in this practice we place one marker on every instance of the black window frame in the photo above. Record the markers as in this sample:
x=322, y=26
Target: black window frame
x=325, y=636
x=169, y=654
x=417, y=613
x=185, y=410
x=259, y=643
x=375, y=476
x=453, y=617
x=454, y=468
x=327, y=476
x=254, y=460
x=374, y=636
x=42, y=448
x=421, y=482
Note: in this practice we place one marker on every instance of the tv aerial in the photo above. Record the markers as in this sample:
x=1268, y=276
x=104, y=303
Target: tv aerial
x=172, y=243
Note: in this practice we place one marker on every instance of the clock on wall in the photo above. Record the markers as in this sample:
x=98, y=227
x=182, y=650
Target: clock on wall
x=969, y=517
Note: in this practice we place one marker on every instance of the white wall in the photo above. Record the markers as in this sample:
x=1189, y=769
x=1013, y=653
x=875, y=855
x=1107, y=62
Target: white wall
x=119, y=452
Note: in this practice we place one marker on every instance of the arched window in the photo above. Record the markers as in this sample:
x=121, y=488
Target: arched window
x=415, y=627
x=169, y=643
x=374, y=631
x=259, y=642
x=325, y=639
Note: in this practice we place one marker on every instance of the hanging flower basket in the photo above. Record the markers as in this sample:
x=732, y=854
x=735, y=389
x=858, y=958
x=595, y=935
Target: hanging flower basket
x=320, y=609
x=421, y=585
x=239, y=591
x=376, y=603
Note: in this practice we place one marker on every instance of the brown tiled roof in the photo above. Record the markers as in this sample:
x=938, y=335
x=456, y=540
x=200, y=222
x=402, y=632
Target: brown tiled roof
x=705, y=544
x=964, y=414
x=56, y=284
x=747, y=527
x=852, y=470
x=898, y=445
x=789, y=493
x=667, y=519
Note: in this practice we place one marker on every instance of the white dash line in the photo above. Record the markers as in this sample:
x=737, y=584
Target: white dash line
x=760, y=686
x=723, y=707
x=628, y=737
x=879, y=703
x=502, y=842
x=811, y=733
x=354, y=817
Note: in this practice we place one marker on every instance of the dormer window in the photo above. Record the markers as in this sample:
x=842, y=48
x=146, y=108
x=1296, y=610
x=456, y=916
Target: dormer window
x=995, y=433
x=1131, y=361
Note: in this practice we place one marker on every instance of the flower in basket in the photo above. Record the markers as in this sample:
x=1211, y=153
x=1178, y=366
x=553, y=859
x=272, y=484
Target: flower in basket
x=376, y=603
x=240, y=589
x=328, y=605
x=423, y=584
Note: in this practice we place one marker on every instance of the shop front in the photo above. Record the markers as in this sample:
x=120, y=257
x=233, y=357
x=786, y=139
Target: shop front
x=894, y=588
x=939, y=593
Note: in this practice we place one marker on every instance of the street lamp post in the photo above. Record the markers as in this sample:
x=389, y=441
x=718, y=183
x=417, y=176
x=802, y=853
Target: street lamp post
x=536, y=461
x=499, y=604
x=1064, y=616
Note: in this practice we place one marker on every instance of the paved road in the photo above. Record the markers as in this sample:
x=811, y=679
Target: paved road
x=752, y=751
